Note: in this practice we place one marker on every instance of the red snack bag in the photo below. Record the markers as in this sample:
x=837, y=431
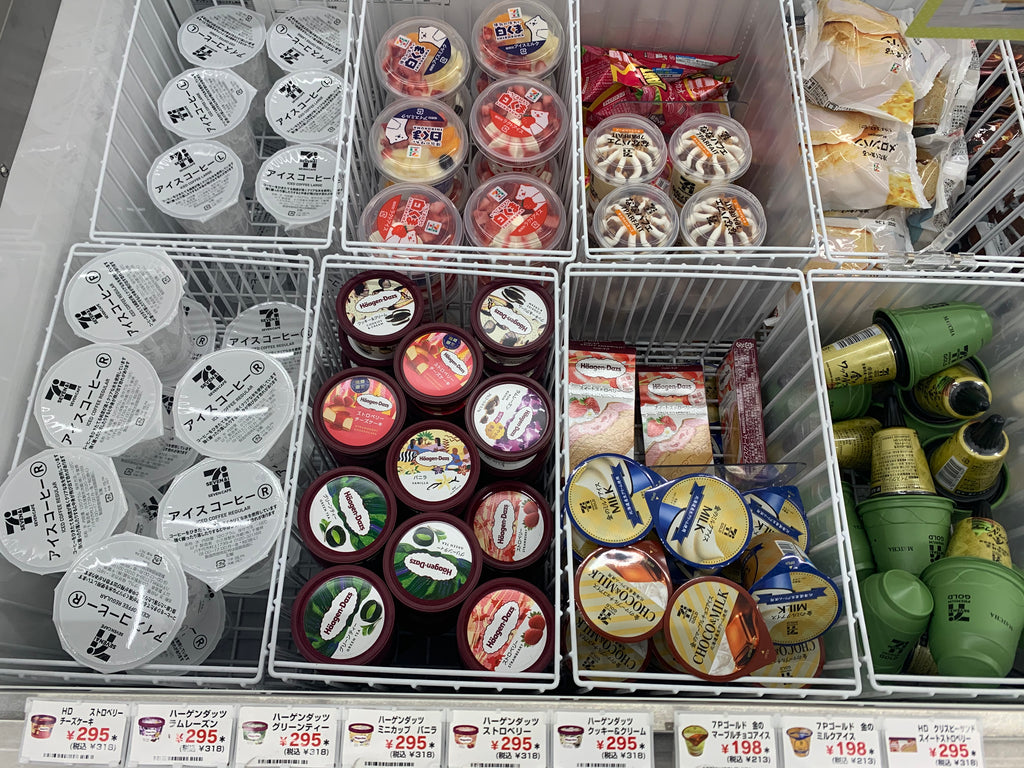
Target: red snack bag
x=602, y=68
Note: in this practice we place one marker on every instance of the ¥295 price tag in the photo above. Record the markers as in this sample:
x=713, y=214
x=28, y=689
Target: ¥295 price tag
x=388, y=737
x=615, y=740
x=73, y=732
x=181, y=734
x=481, y=739
x=722, y=741
x=831, y=741
x=933, y=743
x=276, y=736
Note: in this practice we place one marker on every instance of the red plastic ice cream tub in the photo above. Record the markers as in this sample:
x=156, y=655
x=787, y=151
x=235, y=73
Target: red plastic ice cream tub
x=375, y=310
x=358, y=413
x=507, y=625
x=438, y=365
x=512, y=523
x=511, y=420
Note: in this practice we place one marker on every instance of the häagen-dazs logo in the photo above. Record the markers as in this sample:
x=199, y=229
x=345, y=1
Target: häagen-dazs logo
x=501, y=627
x=599, y=368
x=336, y=617
x=671, y=388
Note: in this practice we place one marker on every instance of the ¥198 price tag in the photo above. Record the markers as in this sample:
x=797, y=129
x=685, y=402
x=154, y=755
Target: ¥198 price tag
x=591, y=740
x=181, y=734
x=831, y=741
x=932, y=743
x=276, y=736
x=73, y=732
x=723, y=741
x=389, y=737
x=482, y=739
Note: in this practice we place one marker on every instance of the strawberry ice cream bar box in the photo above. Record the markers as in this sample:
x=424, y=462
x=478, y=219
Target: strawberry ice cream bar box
x=602, y=391
x=739, y=405
x=674, y=417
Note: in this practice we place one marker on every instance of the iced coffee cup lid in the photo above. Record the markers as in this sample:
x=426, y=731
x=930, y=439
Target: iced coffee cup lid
x=56, y=504
x=124, y=296
x=276, y=328
x=102, y=397
x=411, y=214
x=234, y=404
x=626, y=149
x=121, y=603
x=422, y=57
x=519, y=121
x=159, y=460
x=202, y=629
x=520, y=39
x=143, y=504
x=515, y=211
x=635, y=216
x=224, y=517
x=433, y=466
x=702, y=520
x=222, y=36
x=723, y=216
x=204, y=103
x=201, y=327
x=195, y=180
x=710, y=148
x=308, y=38
x=306, y=107
x=296, y=184
x=432, y=562
x=420, y=140
x=378, y=307
x=506, y=625
x=513, y=317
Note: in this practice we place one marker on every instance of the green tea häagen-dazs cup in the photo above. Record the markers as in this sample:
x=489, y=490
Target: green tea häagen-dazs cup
x=863, y=559
x=906, y=532
x=978, y=617
x=897, y=607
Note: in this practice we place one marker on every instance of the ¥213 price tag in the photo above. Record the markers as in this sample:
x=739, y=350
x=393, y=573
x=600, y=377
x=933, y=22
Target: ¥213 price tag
x=481, y=739
x=185, y=734
x=388, y=737
x=276, y=736
x=615, y=740
x=831, y=741
x=932, y=743
x=722, y=741
x=73, y=732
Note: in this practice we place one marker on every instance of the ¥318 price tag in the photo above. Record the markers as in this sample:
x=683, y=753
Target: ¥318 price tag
x=73, y=732
x=591, y=740
x=276, y=736
x=851, y=742
x=481, y=739
x=721, y=741
x=388, y=737
x=933, y=743
x=185, y=734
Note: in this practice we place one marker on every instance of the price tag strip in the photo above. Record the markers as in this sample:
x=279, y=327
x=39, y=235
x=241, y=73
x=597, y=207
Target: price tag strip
x=173, y=734
x=481, y=739
x=831, y=741
x=73, y=732
x=933, y=743
x=276, y=736
x=378, y=738
x=613, y=740
x=722, y=741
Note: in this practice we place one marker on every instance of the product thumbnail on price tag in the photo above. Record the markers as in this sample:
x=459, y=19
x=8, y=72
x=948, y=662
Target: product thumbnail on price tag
x=482, y=739
x=379, y=737
x=276, y=736
x=612, y=740
x=830, y=742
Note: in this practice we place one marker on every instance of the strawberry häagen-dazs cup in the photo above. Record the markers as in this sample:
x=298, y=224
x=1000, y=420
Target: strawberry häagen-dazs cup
x=511, y=421
x=524, y=38
x=516, y=212
x=512, y=523
x=358, y=413
x=506, y=625
x=438, y=365
x=419, y=140
x=422, y=57
x=519, y=122
x=411, y=215
x=375, y=309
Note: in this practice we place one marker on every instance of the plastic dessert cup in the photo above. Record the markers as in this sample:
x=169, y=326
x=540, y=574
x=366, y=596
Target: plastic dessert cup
x=897, y=607
x=707, y=150
x=622, y=593
x=432, y=466
x=519, y=121
x=226, y=37
x=375, y=309
x=201, y=631
x=254, y=731
x=144, y=578
x=422, y=57
x=358, y=413
x=296, y=186
x=432, y=563
x=306, y=107
x=599, y=654
x=623, y=149
x=609, y=519
x=483, y=169
x=309, y=38
x=481, y=79
x=510, y=419
x=512, y=523
x=635, y=216
x=276, y=328
x=526, y=39
x=506, y=626
x=346, y=515
x=438, y=365
x=344, y=615
x=723, y=216
x=411, y=214
x=418, y=140
x=515, y=212
x=906, y=532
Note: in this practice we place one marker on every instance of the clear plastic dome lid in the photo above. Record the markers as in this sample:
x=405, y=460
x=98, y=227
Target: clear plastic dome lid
x=515, y=211
x=520, y=39
x=306, y=107
x=308, y=38
x=411, y=214
x=519, y=121
x=636, y=216
x=422, y=57
x=418, y=140
x=723, y=215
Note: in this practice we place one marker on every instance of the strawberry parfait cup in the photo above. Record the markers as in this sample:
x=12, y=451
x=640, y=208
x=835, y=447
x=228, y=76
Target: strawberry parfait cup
x=422, y=57
x=411, y=214
x=519, y=121
x=419, y=140
x=515, y=212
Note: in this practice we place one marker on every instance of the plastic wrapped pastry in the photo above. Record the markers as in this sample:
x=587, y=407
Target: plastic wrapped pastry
x=946, y=107
x=942, y=162
x=884, y=233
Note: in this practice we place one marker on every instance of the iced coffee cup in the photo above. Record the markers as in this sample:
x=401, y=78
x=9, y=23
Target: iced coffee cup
x=306, y=107
x=296, y=187
x=423, y=58
x=524, y=39
x=707, y=149
x=276, y=328
x=519, y=122
x=309, y=38
x=227, y=37
x=515, y=212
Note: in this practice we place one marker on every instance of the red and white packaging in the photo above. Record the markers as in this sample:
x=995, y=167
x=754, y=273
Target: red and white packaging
x=739, y=405
x=602, y=390
x=674, y=417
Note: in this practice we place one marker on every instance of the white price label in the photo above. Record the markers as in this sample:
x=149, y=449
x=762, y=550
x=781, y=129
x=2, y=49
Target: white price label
x=932, y=743
x=276, y=736
x=722, y=741
x=73, y=732
x=612, y=740
x=387, y=737
x=831, y=741
x=481, y=739
x=196, y=734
